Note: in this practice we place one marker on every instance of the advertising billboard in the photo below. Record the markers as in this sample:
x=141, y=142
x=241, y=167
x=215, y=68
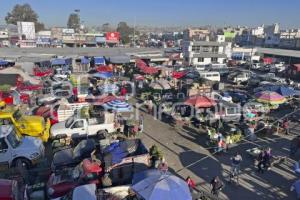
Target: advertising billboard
x=112, y=37
x=27, y=30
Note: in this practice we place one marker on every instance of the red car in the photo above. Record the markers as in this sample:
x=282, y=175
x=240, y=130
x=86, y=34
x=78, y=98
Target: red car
x=62, y=183
x=39, y=72
x=27, y=86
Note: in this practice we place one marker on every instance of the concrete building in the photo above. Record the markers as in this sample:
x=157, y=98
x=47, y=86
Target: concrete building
x=258, y=31
x=203, y=51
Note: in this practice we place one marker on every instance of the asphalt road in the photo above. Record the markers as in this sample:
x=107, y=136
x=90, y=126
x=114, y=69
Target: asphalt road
x=187, y=155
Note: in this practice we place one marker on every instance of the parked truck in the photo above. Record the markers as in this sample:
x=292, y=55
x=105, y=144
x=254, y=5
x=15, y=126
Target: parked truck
x=34, y=126
x=77, y=126
x=15, y=149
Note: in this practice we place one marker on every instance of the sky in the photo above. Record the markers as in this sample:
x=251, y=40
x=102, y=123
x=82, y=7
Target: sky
x=164, y=12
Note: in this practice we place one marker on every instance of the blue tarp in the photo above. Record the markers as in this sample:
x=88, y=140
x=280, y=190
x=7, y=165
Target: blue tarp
x=282, y=90
x=99, y=61
x=117, y=153
x=85, y=61
x=58, y=61
x=3, y=62
x=103, y=75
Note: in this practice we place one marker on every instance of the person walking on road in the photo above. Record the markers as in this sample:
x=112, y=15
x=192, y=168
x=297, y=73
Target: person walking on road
x=191, y=183
x=216, y=185
x=235, y=165
x=286, y=126
x=141, y=123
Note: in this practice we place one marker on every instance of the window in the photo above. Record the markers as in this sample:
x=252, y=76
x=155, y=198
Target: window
x=231, y=111
x=200, y=59
x=69, y=122
x=3, y=145
x=17, y=115
x=78, y=124
x=205, y=49
x=5, y=121
x=13, y=139
x=214, y=59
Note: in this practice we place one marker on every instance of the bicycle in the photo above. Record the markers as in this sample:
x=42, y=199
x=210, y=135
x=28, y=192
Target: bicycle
x=234, y=173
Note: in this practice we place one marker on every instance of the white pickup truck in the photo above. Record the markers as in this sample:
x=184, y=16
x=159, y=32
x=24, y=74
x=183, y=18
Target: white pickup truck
x=75, y=126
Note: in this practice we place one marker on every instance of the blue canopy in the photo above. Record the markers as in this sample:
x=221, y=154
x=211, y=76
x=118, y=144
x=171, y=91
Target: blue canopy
x=85, y=61
x=99, y=61
x=58, y=61
x=103, y=75
x=282, y=90
x=137, y=177
x=3, y=62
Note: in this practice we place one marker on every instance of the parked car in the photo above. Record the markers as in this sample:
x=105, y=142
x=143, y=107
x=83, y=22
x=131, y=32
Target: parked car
x=34, y=126
x=222, y=96
x=46, y=99
x=86, y=172
x=70, y=157
x=238, y=97
x=75, y=126
x=15, y=149
x=265, y=68
x=239, y=77
x=256, y=65
x=27, y=86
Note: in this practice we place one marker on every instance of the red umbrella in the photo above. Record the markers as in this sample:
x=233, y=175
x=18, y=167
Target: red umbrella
x=139, y=77
x=104, y=68
x=150, y=70
x=200, y=102
x=178, y=75
x=140, y=64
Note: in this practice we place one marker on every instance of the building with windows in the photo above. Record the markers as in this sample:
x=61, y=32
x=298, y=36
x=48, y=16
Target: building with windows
x=203, y=48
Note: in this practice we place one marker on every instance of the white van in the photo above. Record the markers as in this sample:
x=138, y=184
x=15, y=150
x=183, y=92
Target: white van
x=210, y=75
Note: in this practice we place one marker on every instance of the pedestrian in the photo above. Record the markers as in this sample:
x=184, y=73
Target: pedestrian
x=296, y=186
x=235, y=164
x=260, y=161
x=190, y=183
x=216, y=185
x=163, y=165
x=267, y=158
x=286, y=126
x=155, y=155
x=123, y=91
x=141, y=123
x=150, y=107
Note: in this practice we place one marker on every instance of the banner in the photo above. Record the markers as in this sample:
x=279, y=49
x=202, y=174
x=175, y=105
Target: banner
x=113, y=37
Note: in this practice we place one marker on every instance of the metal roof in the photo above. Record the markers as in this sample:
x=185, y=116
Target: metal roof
x=279, y=52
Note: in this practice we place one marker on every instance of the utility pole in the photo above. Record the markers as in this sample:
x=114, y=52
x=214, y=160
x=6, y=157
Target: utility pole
x=134, y=31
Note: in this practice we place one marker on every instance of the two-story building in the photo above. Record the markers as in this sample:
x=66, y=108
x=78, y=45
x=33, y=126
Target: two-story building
x=202, y=50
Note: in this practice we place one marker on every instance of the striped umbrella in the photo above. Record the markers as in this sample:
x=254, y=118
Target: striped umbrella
x=118, y=105
x=269, y=97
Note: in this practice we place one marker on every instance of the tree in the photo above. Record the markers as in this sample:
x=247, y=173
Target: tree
x=124, y=31
x=107, y=28
x=24, y=13
x=74, y=21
